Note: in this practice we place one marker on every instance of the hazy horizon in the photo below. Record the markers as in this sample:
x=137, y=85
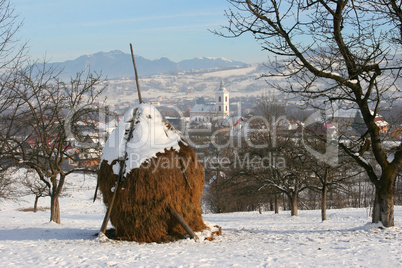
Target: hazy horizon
x=178, y=30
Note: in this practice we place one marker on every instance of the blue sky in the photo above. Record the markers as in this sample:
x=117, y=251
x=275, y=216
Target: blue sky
x=177, y=29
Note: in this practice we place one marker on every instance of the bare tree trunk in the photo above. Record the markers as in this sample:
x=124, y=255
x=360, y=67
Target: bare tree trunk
x=284, y=202
x=57, y=186
x=271, y=204
x=376, y=217
x=276, y=204
x=387, y=209
x=386, y=203
x=54, y=208
x=360, y=192
x=293, y=204
x=324, y=202
x=383, y=209
x=35, y=208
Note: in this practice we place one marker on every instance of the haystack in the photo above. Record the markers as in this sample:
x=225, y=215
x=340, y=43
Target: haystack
x=160, y=174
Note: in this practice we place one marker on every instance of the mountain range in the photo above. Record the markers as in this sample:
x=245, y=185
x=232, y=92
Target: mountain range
x=117, y=64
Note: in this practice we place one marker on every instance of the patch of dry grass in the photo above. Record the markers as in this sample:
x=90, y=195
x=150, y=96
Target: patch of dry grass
x=30, y=209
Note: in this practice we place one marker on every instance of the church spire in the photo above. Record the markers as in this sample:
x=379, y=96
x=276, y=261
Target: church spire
x=222, y=87
x=222, y=100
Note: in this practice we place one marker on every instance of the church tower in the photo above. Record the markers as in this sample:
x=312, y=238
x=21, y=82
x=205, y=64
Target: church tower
x=222, y=101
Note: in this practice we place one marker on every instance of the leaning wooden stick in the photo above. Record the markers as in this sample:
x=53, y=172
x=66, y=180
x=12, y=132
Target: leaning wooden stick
x=183, y=223
x=110, y=207
x=136, y=74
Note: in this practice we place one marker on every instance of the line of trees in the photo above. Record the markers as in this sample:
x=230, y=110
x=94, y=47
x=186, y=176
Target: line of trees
x=274, y=168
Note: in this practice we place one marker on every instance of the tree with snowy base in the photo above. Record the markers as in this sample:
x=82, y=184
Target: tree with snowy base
x=40, y=125
x=335, y=52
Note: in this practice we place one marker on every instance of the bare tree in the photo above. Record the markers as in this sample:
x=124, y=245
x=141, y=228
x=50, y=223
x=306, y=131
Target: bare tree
x=35, y=186
x=327, y=176
x=42, y=122
x=391, y=12
x=270, y=107
x=8, y=187
x=12, y=55
x=330, y=178
x=276, y=160
x=12, y=51
x=333, y=53
x=294, y=176
x=288, y=177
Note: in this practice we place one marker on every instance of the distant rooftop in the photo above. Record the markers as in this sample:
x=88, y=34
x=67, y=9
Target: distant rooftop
x=203, y=108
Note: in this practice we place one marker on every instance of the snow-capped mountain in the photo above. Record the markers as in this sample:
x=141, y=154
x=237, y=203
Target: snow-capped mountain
x=208, y=62
x=117, y=64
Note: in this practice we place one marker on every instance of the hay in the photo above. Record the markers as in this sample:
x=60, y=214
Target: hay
x=140, y=212
x=161, y=172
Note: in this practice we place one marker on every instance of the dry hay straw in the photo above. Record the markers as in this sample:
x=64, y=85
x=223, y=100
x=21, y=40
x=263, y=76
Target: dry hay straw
x=140, y=212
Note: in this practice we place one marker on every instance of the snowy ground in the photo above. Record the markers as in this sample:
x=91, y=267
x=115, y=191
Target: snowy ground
x=249, y=239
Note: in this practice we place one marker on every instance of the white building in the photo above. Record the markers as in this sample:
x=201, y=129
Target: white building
x=206, y=112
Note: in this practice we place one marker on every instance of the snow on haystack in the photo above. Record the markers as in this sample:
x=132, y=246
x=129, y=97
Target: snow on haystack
x=161, y=173
x=151, y=135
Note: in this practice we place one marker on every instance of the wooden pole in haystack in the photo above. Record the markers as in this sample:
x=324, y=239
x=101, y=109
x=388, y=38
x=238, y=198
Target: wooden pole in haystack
x=136, y=75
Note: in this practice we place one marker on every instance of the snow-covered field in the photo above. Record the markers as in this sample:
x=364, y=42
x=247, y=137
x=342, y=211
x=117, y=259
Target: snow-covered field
x=249, y=239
